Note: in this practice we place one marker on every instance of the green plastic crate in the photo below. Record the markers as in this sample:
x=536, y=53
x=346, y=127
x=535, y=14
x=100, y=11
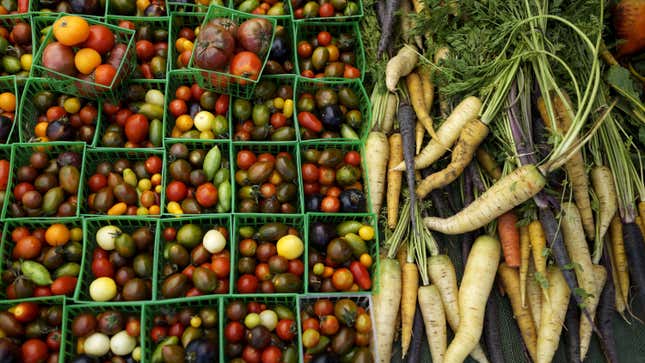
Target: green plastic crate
x=95, y=156
x=8, y=21
x=258, y=220
x=345, y=147
x=177, y=79
x=110, y=11
x=335, y=219
x=36, y=7
x=21, y=153
x=306, y=303
x=7, y=244
x=127, y=224
x=69, y=341
x=259, y=147
x=288, y=300
x=9, y=84
x=234, y=4
x=223, y=82
x=73, y=85
x=206, y=223
x=180, y=20
x=306, y=85
x=206, y=145
x=163, y=307
x=307, y=30
x=148, y=84
x=29, y=113
x=339, y=19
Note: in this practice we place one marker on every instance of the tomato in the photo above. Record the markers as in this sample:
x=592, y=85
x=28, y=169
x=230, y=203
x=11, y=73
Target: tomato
x=351, y=72
x=360, y=275
x=245, y=159
x=145, y=50
x=136, y=128
x=278, y=120
x=196, y=91
x=353, y=158
x=19, y=233
x=296, y=267
x=305, y=49
x=247, y=284
x=169, y=233
x=307, y=73
x=234, y=331
x=326, y=10
x=310, y=323
x=100, y=253
x=247, y=126
x=267, y=190
x=271, y=354
x=158, y=333
x=309, y=121
x=100, y=39
x=102, y=267
x=310, y=338
x=251, y=355
x=34, y=351
x=42, y=291
x=26, y=312
x=55, y=113
x=221, y=105
x=53, y=340
x=64, y=285
x=122, y=116
x=176, y=330
x=206, y=195
x=310, y=173
x=88, y=114
x=183, y=93
x=127, y=24
x=327, y=176
x=96, y=182
x=311, y=188
x=363, y=323
x=176, y=191
x=27, y=248
x=104, y=74
x=133, y=327
x=329, y=325
x=153, y=164
x=178, y=107
x=333, y=192
x=323, y=307
x=286, y=329
x=4, y=174
x=221, y=266
x=21, y=189
x=247, y=65
x=342, y=279
x=324, y=38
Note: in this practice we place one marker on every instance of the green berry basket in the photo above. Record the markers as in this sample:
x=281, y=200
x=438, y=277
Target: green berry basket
x=256, y=221
x=10, y=84
x=223, y=82
x=126, y=224
x=177, y=79
x=176, y=8
x=159, y=114
x=8, y=22
x=179, y=20
x=30, y=113
x=206, y=223
x=290, y=301
x=37, y=7
x=164, y=308
x=308, y=30
x=40, y=26
x=306, y=304
x=355, y=13
x=226, y=163
x=70, y=342
x=87, y=88
x=94, y=157
x=20, y=157
x=7, y=245
x=336, y=219
x=259, y=147
x=344, y=147
x=248, y=6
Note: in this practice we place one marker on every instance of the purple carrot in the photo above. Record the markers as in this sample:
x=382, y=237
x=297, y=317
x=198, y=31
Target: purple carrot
x=635, y=259
x=418, y=337
x=406, y=117
x=387, y=29
x=572, y=331
x=605, y=313
x=380, y=12
x=492, y=337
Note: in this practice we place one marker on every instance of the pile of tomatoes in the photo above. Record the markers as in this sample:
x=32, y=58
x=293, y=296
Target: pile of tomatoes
x=47, y=185
x=151, y=47
x=44, y=261
x=266, y=183
x=184, y=45
x=324, y=9
x=268, y=116
x=328, y=56
x=329, y=112
x=257, y=7
x=122, y=263
x=125, y=187
x=195, y=260
x=197, y=113
x=332, y=181
x=137, y=8
x=32, y=332
x=187, y=332
x=63, y=117
x=70, y=6
x=5, y=171
x=333, y=329
x=269, y=259
x=16, y=48
x=255, y=332
x=7, y=114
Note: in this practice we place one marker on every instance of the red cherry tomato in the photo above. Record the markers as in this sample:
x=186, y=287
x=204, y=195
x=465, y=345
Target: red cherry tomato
x=324, y=38
x=247, y=284
x=102, y=267
x=26, y=312
x=158, y=333
x=34, y=351
x=221, y=105
x=176, y=191
x=326, y=10
x=97, y=182
x=353, y=158
x=271, y=354
x=330, y=205
x=54, y=339
x=286, y=329
x=234, y=331
x=245, y=159
x=64, y=285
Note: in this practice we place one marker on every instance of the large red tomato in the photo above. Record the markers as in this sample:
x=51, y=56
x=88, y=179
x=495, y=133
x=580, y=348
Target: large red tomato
x=247, y=65
x=100, y=39
x=255, y=35
x=214, y=47
x=136, y=128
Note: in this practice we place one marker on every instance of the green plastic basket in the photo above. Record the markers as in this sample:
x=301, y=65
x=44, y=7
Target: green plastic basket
x=206, y=223
x=7, y=244
x=111, y=11
x=35, y=7
x=234, y=4
x=206, y=145
x=177, y=79
x=306, y=303
x=289, y=29
x=259, y=147
x=339, y=18
x=306, y=85
x=69, y=341
x=154, y=22
x=180, y=8
x=345, y=147
x=127, y=224
x=8, y=21
x=21, y=153
x=180, y=20
x=6, y=153
x=95, y=156
x=163, y=308
x=307, y=30
x=335, y=219
x=285, y=79
x=258, y=220
x=73, y=85
x=29, y=113
x=148, y=84
x=9, y=84
x=288, y=300
x=223, y=82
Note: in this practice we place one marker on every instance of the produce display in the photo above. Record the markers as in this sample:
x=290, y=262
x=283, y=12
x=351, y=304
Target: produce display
x=16, y=46
x=8, y=109
x=151, y=47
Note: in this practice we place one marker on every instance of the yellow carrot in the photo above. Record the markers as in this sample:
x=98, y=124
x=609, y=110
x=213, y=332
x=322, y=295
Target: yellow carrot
x=525, y=254
x=538, y=248
x=409, y=291
x=620, y=258
x=415, y=90
x=600, y=275
x=419, y=133
x=552, y=317
x=394, y=179
x=534, y=295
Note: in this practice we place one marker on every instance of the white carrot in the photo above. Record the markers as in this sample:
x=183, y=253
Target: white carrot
x=386, y=305
x=552, y=317
x=435, y=321
x=534, y=295
x=400, y=66
x=376, y=155
x=586, y=330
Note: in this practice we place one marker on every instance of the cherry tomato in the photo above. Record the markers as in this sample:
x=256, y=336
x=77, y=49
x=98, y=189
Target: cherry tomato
x=55, y=113
x=363, y=323
x=122, y=116
x=323, y=307
x=178, y=107
x=54, y=339
x=27, y=248
x=351, y=72
x=158, y=333
x=245, y=159
x=267, y=190
x=278, y=120
x=271, y=354
x=309, y=121
x=153, y=164
x=324, y=38
x=145, y=50
x=310, y=338
x=176, y=330
x=326, y=10
x=34, y=351
x=196, y=91
x=296, y=267
x=251, y=355
x=310, y=173
x=286, y=329
x=234, y=331
x=311, y=188
x=247, y=284
x=64, y=285
x=353, y=158
x=247, y=65
x=361, y=275
x=102, y=267
x=26, y=312
x=169, y=233
x=329, y=325
x=327, y=176
x=97, y=182
x=342, y=279
x=183, y=93
x=133, y=327
x=176, y=191
x=310, y=323
x=221, y=266
x=221, y=105
x=88, y=114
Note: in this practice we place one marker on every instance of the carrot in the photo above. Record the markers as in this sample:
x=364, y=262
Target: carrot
x=394, y=180
x=586, y=330
x=577, y=247
x=409, y=290
x=492, y=336
x=473, y=133
x=406, y=125
x=376, y=155
x=635, y=252
x=509, y=236
x=640, y=225
x=476, y=284
x=603, y=184
x=419, y=133
x=606, y=312
x=435, y=321
x=525, y=255
x=389, y=113
x=534, y=295
x=418, y=336
x=506, y=194
x=572, y=332
x=440, y=55
x=489, y=164
x=425, y=73
x=400, y=65
x=553, y=314
x=447, y=134
x=641, y=211
x=415, y=90
x=620, y=258
x=387, y=27
x=386, y=304
x=511, y=282
x=619, y=300
x=538, y=246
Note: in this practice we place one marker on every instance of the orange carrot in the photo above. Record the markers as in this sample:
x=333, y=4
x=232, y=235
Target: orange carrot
x=509, y=235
